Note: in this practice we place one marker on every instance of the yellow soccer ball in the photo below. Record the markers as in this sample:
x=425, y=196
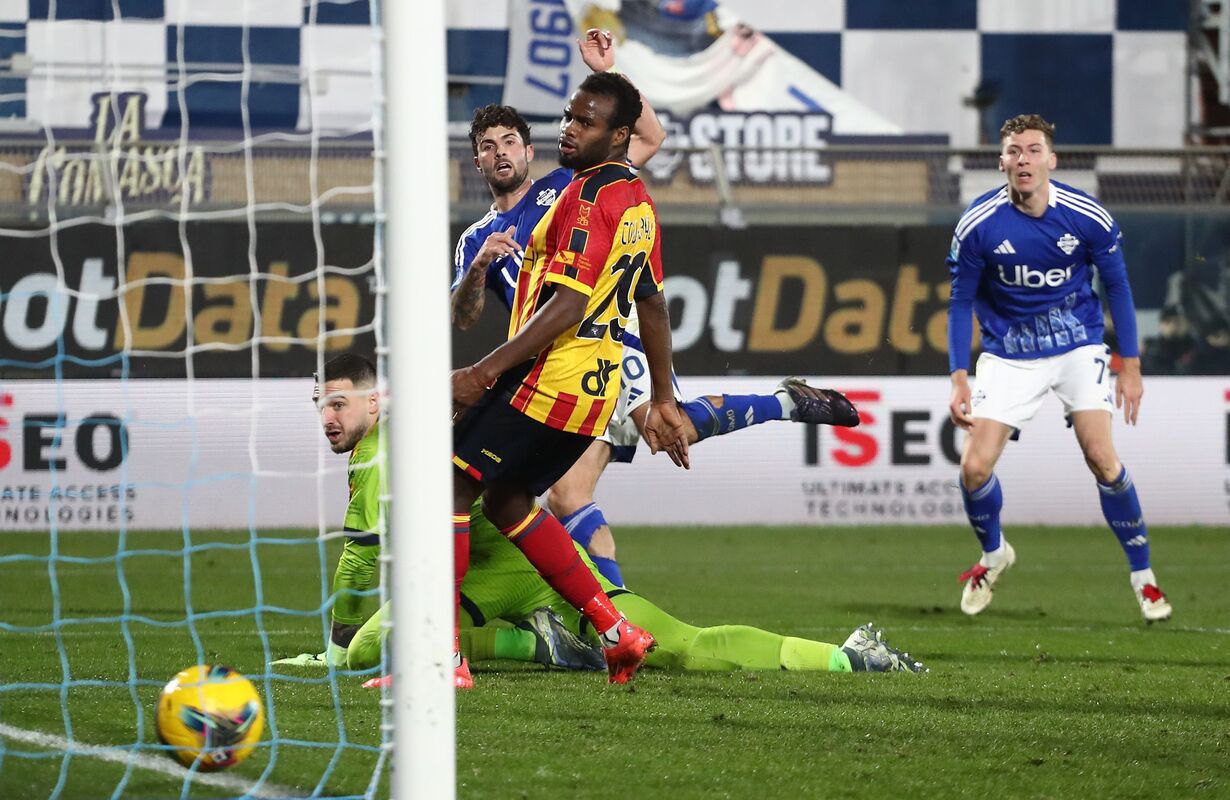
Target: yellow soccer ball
x=212, y=713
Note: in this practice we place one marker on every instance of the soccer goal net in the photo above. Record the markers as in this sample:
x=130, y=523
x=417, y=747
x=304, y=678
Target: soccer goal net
x=193, y=217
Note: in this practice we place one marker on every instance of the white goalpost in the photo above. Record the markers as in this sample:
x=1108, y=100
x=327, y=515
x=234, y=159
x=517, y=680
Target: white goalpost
x=200, y=205
x=416, y=227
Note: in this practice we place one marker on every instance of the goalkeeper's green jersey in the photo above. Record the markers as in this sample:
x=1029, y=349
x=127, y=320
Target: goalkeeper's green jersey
x=363, y=475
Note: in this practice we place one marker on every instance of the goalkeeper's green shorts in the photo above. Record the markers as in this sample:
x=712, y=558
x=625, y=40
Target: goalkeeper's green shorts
x=501, y=583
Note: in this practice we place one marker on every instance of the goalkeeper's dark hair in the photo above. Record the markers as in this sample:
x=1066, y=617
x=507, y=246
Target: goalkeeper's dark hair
x=493, y=115
x=620, y=89
x=1028, y=122
x=358, y=370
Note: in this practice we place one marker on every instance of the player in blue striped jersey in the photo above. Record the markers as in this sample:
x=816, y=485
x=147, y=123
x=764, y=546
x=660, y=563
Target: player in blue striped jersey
x=489, y=252
x=1023, y=258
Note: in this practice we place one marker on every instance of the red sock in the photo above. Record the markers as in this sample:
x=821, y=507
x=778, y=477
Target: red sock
x=548, y=547
x=601, y=613
x=461, y=563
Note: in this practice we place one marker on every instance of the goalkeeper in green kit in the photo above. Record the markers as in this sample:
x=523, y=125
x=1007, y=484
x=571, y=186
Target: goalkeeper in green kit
x=350, y=413
x=501, y=584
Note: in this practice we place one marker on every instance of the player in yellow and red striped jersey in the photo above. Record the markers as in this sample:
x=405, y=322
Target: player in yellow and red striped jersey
x=601, y=239
x=533, y=405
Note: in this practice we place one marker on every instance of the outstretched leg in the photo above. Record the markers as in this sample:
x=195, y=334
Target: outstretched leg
x=793, y=399
x=571, y=499
x=742, y=647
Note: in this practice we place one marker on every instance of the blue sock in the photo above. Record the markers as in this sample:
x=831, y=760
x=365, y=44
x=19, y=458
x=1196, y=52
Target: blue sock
x=609, y=569
x=738, y=411
x=581, y=525
x=982, y=506
x=1121, y=508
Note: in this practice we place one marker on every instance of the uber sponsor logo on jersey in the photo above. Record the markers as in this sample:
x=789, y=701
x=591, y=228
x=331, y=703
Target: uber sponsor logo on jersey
x=1030, y=278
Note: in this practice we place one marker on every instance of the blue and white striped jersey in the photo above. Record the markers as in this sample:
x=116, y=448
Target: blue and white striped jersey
x=502, y=272
x=1030, y=280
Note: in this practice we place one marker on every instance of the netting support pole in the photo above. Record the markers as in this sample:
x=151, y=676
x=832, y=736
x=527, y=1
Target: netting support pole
x=417, y=253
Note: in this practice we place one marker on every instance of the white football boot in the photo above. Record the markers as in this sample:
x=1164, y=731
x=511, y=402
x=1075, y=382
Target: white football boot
x=869, y=652
x=1154, y=606
x=980, y=579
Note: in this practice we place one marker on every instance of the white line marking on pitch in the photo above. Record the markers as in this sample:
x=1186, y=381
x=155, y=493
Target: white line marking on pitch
x=166, y=766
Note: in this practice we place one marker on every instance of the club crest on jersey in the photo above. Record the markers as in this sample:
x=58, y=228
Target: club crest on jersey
x=1067, y=243
x=546, y=197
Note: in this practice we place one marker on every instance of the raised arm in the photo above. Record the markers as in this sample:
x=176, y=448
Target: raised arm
x=648, y=136
x=598, y=53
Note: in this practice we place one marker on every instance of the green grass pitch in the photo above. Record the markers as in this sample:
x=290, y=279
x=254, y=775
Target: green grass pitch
x=1057, y=690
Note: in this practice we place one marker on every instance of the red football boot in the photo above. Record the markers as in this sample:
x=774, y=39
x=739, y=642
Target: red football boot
x=625, y=658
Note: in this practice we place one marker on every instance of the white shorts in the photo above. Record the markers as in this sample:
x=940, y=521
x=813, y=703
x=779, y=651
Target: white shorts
x=1010, y=390
x=635, y=389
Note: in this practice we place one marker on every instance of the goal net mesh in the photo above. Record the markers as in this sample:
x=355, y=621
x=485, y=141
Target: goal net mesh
x=188, y=212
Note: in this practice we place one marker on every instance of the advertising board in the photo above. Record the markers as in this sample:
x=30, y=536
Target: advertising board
x=173, y=454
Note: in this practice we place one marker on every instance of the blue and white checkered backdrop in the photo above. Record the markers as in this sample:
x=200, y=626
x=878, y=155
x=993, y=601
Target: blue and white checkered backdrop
x=1108, y=72
x=310, y=63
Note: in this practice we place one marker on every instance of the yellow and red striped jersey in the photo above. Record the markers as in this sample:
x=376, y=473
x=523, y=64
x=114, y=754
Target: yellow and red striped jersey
x=601, y=238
